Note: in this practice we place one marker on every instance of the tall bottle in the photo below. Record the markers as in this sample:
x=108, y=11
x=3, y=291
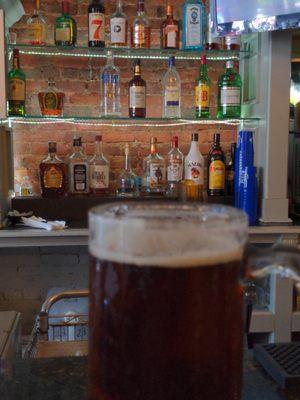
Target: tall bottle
x=141, y=29
x=155, y=170
x=65, y=30
x=99, y=170
x=53, y=174
x=118, y=26
x=96, y=15
x=171, y=92
x=170, y=31
x=216, y=169
x=229, y=93
x=174, y=168
x=127, y=181
x=78, y=170
x=202, y=91
x=16, y=87
x=110, y=104
x=37, y=27
x=194, y=163
x=193, y=15
x=230, y=171
x=137, y=93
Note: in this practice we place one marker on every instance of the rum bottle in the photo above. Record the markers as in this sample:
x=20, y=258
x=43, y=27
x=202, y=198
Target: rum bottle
x=137, y=93
x=229, y=93
x=216, y=169
x=78, y=170
x=99, y=170
x=65, y=30
x=118, y=27
x=170, y=31
x=202, y=91
x=194, y=163
x=37, y=27
x=96, y=16
x=155, y=170
x=16, y=87
x=141, y=29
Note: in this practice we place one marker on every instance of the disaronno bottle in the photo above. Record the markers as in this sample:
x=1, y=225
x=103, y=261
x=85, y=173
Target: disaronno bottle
x=99, y=170
x=78, y=170
x=194, y=163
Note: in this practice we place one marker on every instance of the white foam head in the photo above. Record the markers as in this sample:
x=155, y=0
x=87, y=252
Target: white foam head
x=167, y=235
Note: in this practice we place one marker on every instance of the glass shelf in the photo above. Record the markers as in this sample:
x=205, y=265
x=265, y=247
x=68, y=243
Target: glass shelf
x=128, y=53
x=125, y=121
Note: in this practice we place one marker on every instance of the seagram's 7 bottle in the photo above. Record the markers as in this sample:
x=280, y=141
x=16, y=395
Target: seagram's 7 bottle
x=193, y=25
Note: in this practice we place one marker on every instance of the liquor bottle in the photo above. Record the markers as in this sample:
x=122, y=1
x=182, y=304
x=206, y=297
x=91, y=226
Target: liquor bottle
x=213, y=42
x=37, y=27
x=233, y=42
x=26, y=187
x=193, y=25
x=16, y=87
x=170, y=31
x=171, y=92
x=229, y=93
x=230, y=171
x=65, y=30
x=141, y=29
x=78, y=170
x=194, y=163
x=137, y=93
x=96, y=15
x=174, y=168
x=127, y=181
x=53, y=174
x=118, y=27
x=99, y=170
x=155, y=170
x=202, y=91
x=216, y=169
x=51, y=101
x=110, y=105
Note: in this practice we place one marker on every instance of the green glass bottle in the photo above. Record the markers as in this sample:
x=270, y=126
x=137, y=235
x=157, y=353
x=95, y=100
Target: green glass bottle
x=202, y=91
x=65, y=27
x=16, y=88
x=229, y=93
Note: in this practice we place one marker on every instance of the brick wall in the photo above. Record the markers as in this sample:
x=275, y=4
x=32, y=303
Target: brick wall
x=79, y=79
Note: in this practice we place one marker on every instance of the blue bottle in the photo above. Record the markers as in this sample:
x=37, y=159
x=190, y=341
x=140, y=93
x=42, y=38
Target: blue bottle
x=193, y=29
x=249, y=195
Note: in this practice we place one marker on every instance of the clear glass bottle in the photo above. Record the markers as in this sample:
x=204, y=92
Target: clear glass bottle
x=171, y=92
x=65, y=30
x=127, y=181
x=174, y=169
x=155, y=170
x=99, y=170
x=78, y=170
x=96, y=17
x=16, y=88
x=194, y=21
x=118, y=26
x=51, y=101
x=194, y=163
x=170, y=31
x=110, y=105
x=141, y=29
x=37, y=27
x=229, y=93
x=202, y=91
x=26, y=187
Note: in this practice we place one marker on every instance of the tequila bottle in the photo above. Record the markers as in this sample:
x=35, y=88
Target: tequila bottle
x=110, y=105
x=229, y=93
x=155, y=170
x=171, y=92
x=127, y=181
x=37, y=28
x=194, y=17
x=118, y=27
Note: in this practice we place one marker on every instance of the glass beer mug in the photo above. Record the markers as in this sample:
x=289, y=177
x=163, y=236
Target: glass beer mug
x=167, y=300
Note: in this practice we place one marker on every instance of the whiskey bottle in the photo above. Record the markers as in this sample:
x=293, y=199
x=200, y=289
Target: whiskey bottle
x=216, y=169
x=141, y=29
x=194, y=163
x=51, y=101
x=171, y=92
x=127, y=181
x=229, y=93
x=53, y=174
x=170, y=31
x=155, y=170
x=78, y=170
x=37, y=27
x=174, y=168
x=65, y=30
x=16, y=88
x=137, y=93
x=118, y=27
x=99, y=170
x=96, y=15
x=202, y=91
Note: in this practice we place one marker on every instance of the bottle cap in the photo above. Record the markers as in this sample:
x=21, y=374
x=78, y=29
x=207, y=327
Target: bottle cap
x=172, y=61
x=170, y=9
x=98, y=138
x=195, y=137
x=65, y=6
x=153, y=140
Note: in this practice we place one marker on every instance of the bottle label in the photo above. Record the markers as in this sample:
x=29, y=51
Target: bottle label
x=80, y=177
x=36, y=33
x=97, y=27
x=172, y=96
x=118, y=30
x=175, y=171
x=202, y=94
x=216, y=175
x=230, y=96
x=140, y=35
x=194, y=25
x=194, y=172
x=53, y=178
x=16, y=89
x=234, y=39
x=171, y=32
x=99, y=176
x=137, y=97
x=63, y=33
x=157, y=175
x=50, y=101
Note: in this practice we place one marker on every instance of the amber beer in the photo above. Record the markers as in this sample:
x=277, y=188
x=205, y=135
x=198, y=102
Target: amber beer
x=166, y=311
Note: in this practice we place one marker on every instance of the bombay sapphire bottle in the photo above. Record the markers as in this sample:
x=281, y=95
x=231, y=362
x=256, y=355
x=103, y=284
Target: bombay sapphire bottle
x=194, y=18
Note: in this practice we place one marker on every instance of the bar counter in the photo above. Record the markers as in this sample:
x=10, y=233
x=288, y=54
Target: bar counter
x=65, y=379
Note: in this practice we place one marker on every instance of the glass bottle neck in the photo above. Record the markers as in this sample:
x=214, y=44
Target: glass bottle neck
x=16, y=63
x=110, y=61
x=127, y=162
x=98, y=149
x=141, y=8
x=153, y=149
x=119, y=6
x=137, y=70
x=203, y=70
